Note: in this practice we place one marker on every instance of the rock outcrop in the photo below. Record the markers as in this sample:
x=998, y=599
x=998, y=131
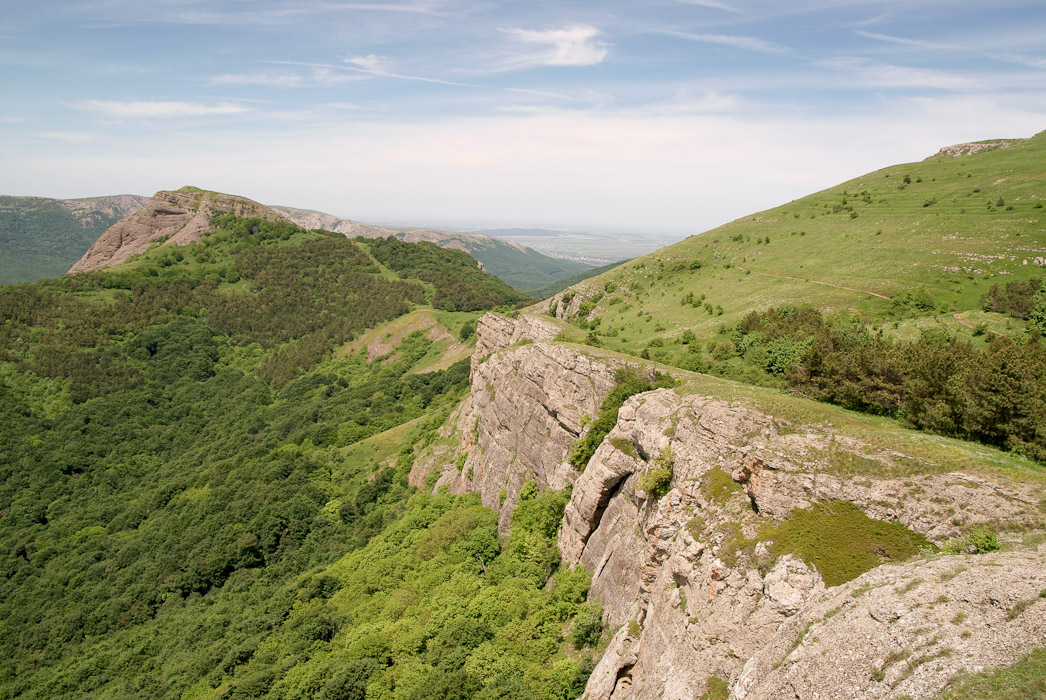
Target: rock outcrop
x=688, y=584
x=529, y=403
x=904, y=631
x=177, y=218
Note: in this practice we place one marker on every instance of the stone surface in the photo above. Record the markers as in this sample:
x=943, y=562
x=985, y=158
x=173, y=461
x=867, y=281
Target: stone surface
x=683, y=602
x=905, y=630
x=179, y=217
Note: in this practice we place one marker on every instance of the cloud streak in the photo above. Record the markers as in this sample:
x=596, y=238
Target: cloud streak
x=745, y=43
x=1019, y=59
x=156, y=109
x=864, y=72
x=714, y=4
x=265, y=79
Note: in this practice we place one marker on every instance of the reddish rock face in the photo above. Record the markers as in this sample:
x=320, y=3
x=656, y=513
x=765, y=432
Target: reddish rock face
x=180, y=217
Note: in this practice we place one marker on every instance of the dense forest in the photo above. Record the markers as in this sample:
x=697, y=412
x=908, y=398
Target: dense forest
x=460, y=285
x=199, y=498
x=42, y=238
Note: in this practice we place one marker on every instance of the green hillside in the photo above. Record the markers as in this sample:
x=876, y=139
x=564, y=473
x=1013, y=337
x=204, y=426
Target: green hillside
x=200, y=499
x=892, y=269
x=43, y=237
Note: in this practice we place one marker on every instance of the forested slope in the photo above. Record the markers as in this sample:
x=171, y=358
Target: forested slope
x=182, y=455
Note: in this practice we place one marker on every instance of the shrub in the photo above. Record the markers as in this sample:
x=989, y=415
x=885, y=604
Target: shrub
x=658, y=480
x=979, y=541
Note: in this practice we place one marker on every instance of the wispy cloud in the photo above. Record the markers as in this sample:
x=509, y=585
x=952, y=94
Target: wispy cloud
x=423, y=8
x=1019, y=59
x=156, y=109
x=124, y=12
x=920, y=43
x=746, y=43
x=66, y=136
x=369, y=62
x=715, y=4
x=574, y=45
x=865, y=73
x=265, y=79
x=12, y=120
x=356, y=64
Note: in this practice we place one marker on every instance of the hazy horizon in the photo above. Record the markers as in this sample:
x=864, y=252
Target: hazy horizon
x=668, y=118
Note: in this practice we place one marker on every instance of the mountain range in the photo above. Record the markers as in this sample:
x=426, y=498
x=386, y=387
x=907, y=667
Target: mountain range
x=43, y=238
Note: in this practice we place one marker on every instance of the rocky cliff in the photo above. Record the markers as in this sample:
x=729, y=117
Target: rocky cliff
x=759, y=537
x=178, y=217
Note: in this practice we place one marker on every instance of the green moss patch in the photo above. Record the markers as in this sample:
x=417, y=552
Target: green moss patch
x=718, y=486
x=1024, y=679
x=716, y=688
x=840, y=540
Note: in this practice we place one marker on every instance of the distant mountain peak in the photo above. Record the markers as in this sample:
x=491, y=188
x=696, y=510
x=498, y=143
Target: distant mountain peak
x=180, y=217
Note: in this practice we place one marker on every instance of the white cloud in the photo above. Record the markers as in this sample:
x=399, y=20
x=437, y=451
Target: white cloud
x=992, y=52
x=369, y=62
x=865, y=73
x=714, y=4
x=155, y=109
x=920, y=43
x=746, y=43
x=67, y=136
x=575, y=45
x=332, y=73
x=267, y=79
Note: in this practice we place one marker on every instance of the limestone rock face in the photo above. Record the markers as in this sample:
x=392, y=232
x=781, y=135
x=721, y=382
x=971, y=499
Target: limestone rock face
x=671, y=564
x=181, y=217
x=683, y=598
x=527, y=407
x=905, y=630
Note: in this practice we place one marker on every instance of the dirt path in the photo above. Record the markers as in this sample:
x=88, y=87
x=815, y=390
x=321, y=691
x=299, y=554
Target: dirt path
x=805, y=279
x=963, y=321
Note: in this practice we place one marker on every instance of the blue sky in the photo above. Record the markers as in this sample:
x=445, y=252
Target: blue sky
x=661, y=116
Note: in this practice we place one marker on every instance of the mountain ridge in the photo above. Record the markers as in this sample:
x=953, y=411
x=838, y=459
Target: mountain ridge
x=520, y=266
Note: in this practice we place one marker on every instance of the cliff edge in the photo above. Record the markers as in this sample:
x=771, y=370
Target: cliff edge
x=723, y=525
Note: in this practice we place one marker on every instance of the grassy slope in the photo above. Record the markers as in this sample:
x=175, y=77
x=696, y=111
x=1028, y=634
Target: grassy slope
x=881, y=241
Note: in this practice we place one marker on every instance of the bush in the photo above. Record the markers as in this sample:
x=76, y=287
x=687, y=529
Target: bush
x=656, y=482
x=979, y=541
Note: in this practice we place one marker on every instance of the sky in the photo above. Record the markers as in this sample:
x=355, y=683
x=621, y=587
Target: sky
x=664, y=117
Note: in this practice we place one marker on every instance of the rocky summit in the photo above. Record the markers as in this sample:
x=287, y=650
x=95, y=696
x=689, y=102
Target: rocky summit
x=177, y=217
